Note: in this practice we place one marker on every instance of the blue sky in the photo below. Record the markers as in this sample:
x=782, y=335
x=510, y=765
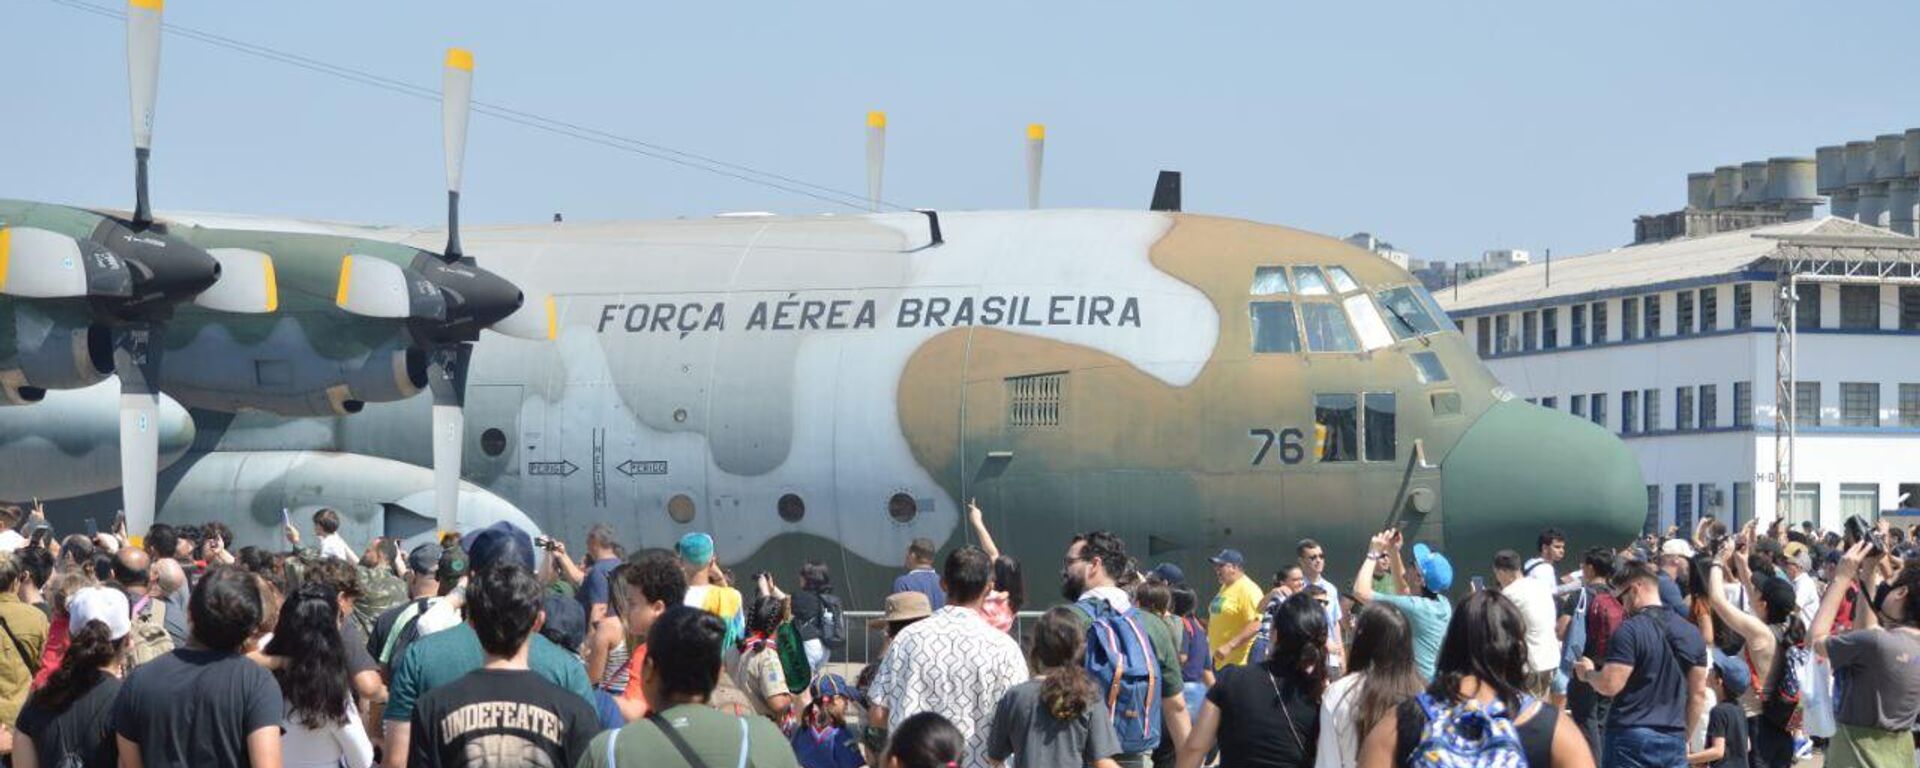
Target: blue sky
x=1446, y=128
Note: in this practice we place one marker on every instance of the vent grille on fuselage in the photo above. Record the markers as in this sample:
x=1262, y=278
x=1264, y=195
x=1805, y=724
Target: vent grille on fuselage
x=1036, y=400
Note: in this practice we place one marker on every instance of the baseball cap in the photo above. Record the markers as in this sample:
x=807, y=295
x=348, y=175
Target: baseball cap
x=695, y=548
x=1733, y=670
x=498, y=543
x=1434, y=567
x=832, y=685
x=902, y=606
x=425, y=559
x=566, y=623
x=1170, y=574
x=1676, y=548
x=1228, y=557
x=105, y=605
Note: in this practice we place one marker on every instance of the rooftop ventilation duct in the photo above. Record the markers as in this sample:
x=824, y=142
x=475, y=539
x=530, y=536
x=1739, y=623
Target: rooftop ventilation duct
x=1859, y=162
x=1832, y=162
x=1700, y=190
x=1889, y=162
x=1753, y=182
x=1726, y=186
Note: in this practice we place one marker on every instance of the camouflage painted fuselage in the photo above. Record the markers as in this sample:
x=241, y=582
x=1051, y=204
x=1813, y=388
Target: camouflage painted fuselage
x=833, y=387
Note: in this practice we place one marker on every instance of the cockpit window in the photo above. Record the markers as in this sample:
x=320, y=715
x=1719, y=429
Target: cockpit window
x=1270, y=281
x=1274, y=328
x=1427, y=366
x=1327, y=328
x=1406, y=314
x=1310, y=281
x=1367, y=322
x=1342, y=281
x=1439, y=315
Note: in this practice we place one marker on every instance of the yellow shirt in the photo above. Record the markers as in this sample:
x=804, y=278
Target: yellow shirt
x=1236, y=606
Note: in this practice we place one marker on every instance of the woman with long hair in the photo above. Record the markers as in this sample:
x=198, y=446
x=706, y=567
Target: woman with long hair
x=1058, y=717
x=1479, y=694
x=1380, y=675
x=1267, y=715
x=65, y=722
x=323, y=727
x=607, y=652
x=66, y=581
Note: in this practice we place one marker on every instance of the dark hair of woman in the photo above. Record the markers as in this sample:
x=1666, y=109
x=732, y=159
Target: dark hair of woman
x=315, y=685
x=1299, y=652
x=1185, y=602
x=1487, y=641
x=814, y=577
x=1059, y=645
x=1383, y=651
x=1007, y=578
x=764, y=614
x=926, y=740
x=80, y=670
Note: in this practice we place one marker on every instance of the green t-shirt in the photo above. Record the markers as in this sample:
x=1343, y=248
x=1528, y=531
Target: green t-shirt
x=713, y=735
x=1428, y=618
x=449, y=654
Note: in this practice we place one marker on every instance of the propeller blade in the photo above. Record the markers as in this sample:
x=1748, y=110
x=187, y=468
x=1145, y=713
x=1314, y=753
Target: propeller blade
x=456, y=100
x=537, y=320
x=876, y=155
x=143, y=79
x=1036, y=154
x=136, y=358
x=247, y=284
x=374, y=287
x=447, y=378
x=39, y=264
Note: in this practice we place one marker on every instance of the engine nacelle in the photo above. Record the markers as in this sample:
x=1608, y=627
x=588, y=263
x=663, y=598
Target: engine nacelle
x=286, y=374
x=49, y=347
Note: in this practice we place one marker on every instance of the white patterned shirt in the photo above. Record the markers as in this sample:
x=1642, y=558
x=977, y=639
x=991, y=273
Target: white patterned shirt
x=953, y=663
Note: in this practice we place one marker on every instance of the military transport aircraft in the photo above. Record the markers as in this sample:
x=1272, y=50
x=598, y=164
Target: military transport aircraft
x=825, y=387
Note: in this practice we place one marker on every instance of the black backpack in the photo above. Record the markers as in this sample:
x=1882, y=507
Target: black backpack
x=831, y=624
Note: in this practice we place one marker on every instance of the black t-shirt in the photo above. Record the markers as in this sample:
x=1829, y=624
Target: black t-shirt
x=76, y=736
x=1727, y=721
x=1259, y=729
x=1661, y=648
x=806, y=612
x=500, y=717
x=194, y=708
x=389, y=622
x=358, y=660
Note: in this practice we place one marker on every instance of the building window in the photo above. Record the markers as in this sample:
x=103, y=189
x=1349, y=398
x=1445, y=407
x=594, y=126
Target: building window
x=1910, y=405
x=1650, y=410
x=1710, y=309
x=1338, y=419
x=1709, y=499
x=1683, y=506
x=1274, y=328
x=1550, y=403
x=1909, y=308
x=1481, y=332
x=1653, y=510
x=1806, y=403
x=1599, y=322
x=1379, y=420
x=1859, y=404
x=1529, y=331
x=1036, y=400
x=1550, y=328
x=1860, y=307
x=1709, y=406
x=1683, y=408
x=1862, y=499
x=1807, y=306
x=1598, y=401
x=1578, y=406
x=1909, y=495
x=1804, y=505
x=1742, y=504
x=1579, y=325
x=1629, y=412
x=1742, y=305
x=1683, y=313
x=1629, y=319
x=1503, y=333
x=1743, y=403
x=1650, y=307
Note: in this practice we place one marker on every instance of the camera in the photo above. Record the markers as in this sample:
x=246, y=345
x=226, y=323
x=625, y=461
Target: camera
x=547, y=543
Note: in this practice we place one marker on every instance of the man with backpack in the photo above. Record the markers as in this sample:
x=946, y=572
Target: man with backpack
x=1147, y=670
x=1593, y=615
x=952, y=663
x=1655, y=670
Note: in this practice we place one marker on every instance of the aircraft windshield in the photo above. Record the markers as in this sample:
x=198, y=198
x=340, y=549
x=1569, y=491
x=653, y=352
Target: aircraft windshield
x=1406, y=314
x=1327, y=328
x=1366, y=321
x=1310, y=281
x=1342, y=281
x=1270, y=281
x=1274, y=329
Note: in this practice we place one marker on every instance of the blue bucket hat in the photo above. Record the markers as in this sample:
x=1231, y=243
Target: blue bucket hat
x=1434, y=567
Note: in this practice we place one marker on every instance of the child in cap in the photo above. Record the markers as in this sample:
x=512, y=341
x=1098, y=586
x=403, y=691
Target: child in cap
x=823, y=738
x=1726, y=738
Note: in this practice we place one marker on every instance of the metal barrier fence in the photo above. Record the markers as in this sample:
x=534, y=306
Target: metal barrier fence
x=864, y=643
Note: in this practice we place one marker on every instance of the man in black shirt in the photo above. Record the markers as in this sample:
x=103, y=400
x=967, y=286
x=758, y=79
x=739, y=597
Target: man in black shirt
x=502, y=714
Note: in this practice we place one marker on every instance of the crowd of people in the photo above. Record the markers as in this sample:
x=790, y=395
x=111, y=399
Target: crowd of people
x=1715, y=646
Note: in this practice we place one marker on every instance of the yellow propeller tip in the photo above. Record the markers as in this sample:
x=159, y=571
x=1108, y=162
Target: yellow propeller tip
x=553, y=320
x=151, y=5
x=1036, y=131
x=346, y=280
x=876, y=119
x=460, y=58
x=272, y=282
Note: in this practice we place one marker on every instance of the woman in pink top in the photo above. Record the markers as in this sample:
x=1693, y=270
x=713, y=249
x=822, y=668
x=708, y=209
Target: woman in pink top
x=1009, y=590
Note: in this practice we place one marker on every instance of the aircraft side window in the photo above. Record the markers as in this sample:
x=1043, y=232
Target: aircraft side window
x=1336, y=418
x=1407, y=315
x=1380, y=426
x=1427, y=366
x=1327, y=328
x=1367, y=322
x=1274, y=328
x=1270, y=281
x=1342, y=280
x=1439, y=315
x=1310, y=281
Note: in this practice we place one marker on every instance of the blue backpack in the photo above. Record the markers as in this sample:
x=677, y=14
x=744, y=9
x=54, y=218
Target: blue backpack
x=1120, y=658
x=1575, y=646
x=1468, y=735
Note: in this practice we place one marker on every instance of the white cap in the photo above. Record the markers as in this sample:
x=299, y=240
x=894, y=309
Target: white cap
x=103, y=604
x=1676, y=547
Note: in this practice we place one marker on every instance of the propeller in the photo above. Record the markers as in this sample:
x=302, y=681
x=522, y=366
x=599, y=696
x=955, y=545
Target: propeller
x=876, y=155
x=1036, y=153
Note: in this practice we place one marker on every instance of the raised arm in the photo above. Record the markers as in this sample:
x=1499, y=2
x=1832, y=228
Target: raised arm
x=1363, y=581
x=1836, y=593
x=1758, y=637
x=979, y=523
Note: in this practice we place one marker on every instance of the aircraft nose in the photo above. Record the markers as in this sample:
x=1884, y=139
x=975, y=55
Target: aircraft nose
x=1521, y=468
